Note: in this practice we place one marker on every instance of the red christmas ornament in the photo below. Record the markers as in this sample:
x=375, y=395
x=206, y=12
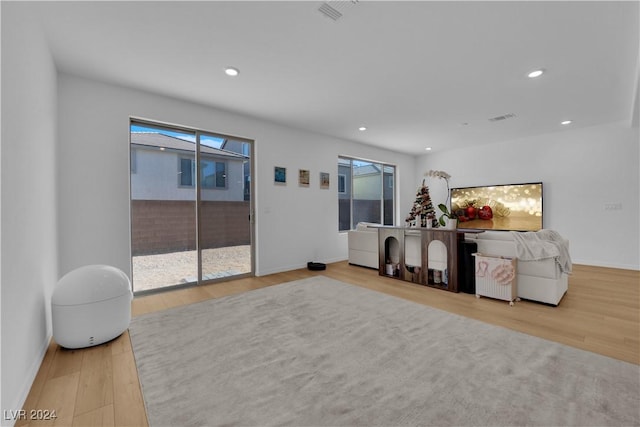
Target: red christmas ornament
x=471, y=212
x=485, y=212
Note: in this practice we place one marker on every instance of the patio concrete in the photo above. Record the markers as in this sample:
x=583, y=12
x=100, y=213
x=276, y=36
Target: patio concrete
x=162, y=270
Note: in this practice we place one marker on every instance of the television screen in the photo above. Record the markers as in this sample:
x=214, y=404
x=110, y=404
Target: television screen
x=516, y=207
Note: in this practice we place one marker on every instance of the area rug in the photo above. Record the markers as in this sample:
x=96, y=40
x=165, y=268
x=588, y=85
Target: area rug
x=319, y=352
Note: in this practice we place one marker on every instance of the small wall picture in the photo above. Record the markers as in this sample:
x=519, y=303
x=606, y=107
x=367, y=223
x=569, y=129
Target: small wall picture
x=279, y=175
x=303, y=177
x=324, y=180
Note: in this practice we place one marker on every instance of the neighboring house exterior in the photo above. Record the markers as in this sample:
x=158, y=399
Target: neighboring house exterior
x=366, y=182
x=245, y=149
x=163, y=194
x=163, y=168
x=365, y=188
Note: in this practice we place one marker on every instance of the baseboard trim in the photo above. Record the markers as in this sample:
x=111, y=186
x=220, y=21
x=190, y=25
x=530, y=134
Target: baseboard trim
x=297, y=266
x=28, y=383
x=607, y=265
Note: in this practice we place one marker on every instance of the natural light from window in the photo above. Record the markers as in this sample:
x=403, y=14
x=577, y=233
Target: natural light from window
x=366, y=193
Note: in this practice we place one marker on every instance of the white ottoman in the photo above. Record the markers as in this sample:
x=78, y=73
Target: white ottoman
x=91, y=305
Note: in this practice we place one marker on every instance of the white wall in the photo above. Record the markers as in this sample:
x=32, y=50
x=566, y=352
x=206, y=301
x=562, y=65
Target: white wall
x=582, y=171
x=294, y=224
x=29, y=261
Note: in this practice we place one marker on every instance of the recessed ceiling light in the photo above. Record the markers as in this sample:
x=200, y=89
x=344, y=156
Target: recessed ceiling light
x=362, y=128
x=428, y=148
x=566, y=122
x=535, y=73
x=230, y=71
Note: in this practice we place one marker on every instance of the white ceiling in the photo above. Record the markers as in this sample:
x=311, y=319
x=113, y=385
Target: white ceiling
x=417, y=74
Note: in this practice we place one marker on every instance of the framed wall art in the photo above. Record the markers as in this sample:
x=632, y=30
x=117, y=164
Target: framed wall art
x=324, y=180
x=279, y=175
x=303, y=177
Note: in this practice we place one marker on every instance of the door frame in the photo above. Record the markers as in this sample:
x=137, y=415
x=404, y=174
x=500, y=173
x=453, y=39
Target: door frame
x=251, y=219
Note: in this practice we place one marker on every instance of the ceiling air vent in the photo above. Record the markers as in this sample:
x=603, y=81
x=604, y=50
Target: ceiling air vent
x=334, y=9
x=330, y=11
x=505, y=117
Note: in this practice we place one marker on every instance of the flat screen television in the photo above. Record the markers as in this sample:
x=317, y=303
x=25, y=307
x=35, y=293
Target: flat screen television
x=516, y=207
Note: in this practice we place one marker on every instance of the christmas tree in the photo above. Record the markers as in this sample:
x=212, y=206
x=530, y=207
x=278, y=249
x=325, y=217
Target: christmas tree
x=422, y=209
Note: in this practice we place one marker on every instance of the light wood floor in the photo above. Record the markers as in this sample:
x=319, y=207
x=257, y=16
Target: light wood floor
x=99, y=386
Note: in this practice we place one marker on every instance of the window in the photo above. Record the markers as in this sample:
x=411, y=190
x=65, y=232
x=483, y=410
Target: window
x=187, y=172
x=213, y=174
x=342, y=183
x=366, y=193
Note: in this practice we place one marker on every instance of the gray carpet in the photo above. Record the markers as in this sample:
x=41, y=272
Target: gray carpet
x=319, y=352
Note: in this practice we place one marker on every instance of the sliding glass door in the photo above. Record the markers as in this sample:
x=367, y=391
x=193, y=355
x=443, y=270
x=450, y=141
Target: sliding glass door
x=224, y=207
x=190, y=206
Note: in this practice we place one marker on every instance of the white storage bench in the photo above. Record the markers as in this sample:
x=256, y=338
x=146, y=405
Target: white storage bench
x=542, y=280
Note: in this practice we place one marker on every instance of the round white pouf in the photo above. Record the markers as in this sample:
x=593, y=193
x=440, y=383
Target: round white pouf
x=90, y=305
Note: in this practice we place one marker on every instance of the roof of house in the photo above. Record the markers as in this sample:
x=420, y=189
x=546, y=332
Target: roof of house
x=159, y=140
